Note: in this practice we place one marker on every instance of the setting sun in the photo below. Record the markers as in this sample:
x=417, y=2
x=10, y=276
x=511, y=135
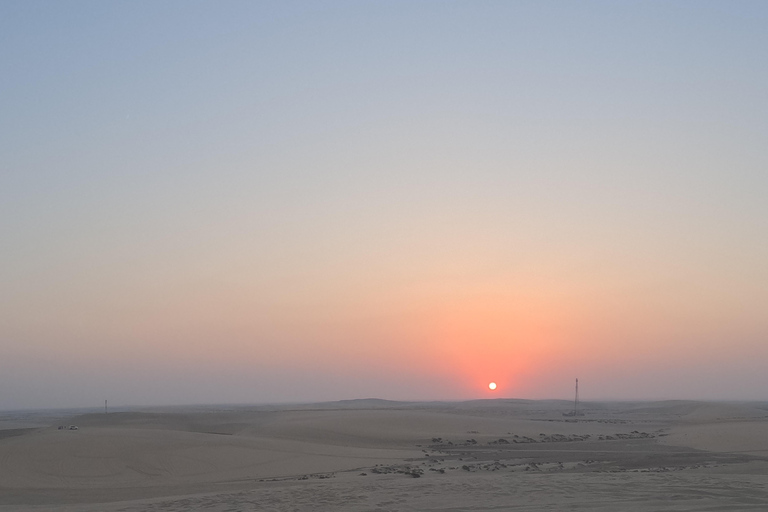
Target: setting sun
x=492, y=386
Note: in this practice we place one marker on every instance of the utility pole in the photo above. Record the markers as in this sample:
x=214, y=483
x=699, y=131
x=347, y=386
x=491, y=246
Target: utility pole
x=105, y=407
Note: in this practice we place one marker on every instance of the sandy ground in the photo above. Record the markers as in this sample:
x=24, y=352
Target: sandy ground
x=372, y=455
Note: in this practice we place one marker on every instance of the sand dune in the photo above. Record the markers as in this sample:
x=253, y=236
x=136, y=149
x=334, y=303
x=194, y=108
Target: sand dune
x=734, y=436
x=97, y=457
x=367, y=455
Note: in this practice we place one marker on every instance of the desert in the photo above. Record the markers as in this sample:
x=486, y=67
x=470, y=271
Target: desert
x=377, y=455
x=358, y=256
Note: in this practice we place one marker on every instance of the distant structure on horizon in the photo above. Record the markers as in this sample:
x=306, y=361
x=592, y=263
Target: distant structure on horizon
x=575, y=411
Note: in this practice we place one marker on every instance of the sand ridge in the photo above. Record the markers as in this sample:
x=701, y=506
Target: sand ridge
x=378, y=455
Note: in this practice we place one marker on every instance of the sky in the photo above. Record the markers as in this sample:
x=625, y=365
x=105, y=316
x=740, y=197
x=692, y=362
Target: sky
x=261, y=202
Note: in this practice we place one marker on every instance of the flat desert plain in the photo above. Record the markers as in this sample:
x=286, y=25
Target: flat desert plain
x=375, y=455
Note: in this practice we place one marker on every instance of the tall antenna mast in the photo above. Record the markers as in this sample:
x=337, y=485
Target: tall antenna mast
x=576, y=400
x=575, y=411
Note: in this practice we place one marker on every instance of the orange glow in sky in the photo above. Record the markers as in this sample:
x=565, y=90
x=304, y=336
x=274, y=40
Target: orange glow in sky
x=329, y=212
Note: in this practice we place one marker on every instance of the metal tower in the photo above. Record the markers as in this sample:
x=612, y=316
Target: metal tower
x=576, y=400
x=575, y=411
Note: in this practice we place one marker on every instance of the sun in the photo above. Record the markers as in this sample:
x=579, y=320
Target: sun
x=492, y=386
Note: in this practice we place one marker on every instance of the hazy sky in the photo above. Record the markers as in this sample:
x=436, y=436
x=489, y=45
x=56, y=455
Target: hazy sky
x=292, y=201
